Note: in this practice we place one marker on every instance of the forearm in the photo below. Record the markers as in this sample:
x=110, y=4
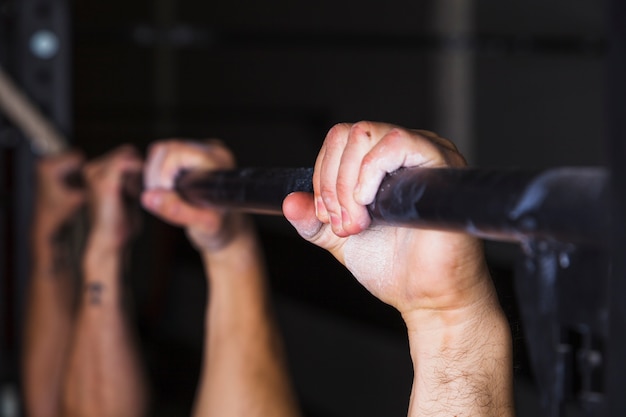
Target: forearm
x=462, y=361
x=104, y=375
x=244, y=370
x=48, y=324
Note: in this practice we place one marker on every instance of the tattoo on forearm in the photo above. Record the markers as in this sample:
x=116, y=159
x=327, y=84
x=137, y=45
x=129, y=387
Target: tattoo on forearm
x=94, y=292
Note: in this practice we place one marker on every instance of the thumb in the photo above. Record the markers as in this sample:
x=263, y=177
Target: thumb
x=166, y=205
x=299, y=210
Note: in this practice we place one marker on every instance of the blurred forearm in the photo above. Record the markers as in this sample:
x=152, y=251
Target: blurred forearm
x=104, y=375
x=48, y=322
x=243, y=354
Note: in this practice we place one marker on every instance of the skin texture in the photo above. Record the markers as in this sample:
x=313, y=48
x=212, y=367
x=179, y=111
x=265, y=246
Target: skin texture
x=104, y=375
x=48, y=320
x=243, y=371
x=459, y=339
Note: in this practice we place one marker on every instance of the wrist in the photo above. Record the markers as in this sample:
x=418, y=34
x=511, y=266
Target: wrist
x=237, y=284
x=241, y=249
x=462, y=309
x=237, y=234
x=463, y=361
x=236, y=272
x=432, y=330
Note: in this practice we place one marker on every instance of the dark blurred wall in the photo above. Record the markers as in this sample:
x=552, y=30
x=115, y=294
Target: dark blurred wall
x=540, y=99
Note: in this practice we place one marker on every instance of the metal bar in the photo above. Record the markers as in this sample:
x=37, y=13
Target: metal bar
x=562, y=204
x=256, y=190
x=17, y=107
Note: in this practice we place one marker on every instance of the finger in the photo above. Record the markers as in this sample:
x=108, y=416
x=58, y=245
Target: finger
x=126, y=165
x=435, y=138
x=334, y=145
x=167, y=159
x=354, y=216
x=154, y=160
x=398, y=148
x=101, y=165
x=299, y=210
x=128, y=176
x=114, y=169
x=320, y=210
x=168, y=206
x=121, y=151
x=451, y=154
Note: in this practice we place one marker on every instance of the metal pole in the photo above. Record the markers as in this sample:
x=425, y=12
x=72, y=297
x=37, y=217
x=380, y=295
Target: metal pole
x=561, y=204
x=453, y=21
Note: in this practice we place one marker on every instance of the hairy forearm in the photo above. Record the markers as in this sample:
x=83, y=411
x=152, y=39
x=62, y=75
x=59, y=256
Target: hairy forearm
x=462, y=362
x=244, y=370
x=104, y=375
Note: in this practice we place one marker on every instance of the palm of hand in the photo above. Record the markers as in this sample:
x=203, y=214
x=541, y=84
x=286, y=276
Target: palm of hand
x=411, y=269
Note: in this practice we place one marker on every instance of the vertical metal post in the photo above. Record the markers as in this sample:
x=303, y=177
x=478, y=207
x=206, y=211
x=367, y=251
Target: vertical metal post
x=453, y=21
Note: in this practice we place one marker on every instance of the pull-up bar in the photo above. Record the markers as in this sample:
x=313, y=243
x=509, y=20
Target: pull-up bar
x=562, y=204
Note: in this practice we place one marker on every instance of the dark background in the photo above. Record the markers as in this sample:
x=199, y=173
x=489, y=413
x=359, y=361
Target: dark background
x=515, y=84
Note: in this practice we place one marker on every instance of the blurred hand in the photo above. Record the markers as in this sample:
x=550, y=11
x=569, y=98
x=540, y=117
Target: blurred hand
x=408, y=268
x=208, y=229
x=113, y=219
x=55, y=201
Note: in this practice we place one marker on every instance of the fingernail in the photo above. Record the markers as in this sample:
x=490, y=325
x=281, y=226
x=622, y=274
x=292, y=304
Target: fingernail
x=320, y=209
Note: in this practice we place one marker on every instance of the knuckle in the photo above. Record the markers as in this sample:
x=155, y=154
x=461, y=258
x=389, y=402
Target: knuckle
x=368, y=160
x=337, y=132
x=394, y=136
x=362, y=126
x=361, y=132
